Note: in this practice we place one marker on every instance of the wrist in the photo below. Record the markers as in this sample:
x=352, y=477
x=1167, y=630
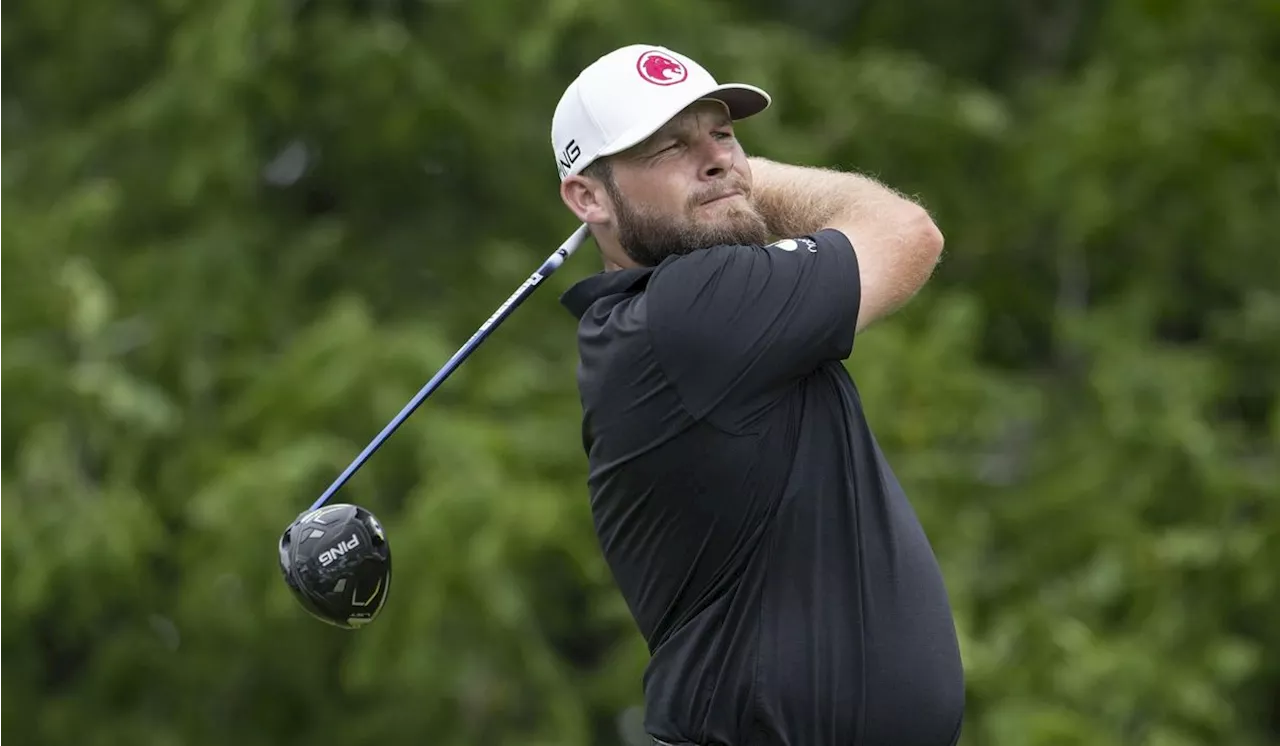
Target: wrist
x=793, y=200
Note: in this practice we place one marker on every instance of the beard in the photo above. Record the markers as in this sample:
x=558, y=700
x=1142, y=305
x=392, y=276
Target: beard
x=649, y=237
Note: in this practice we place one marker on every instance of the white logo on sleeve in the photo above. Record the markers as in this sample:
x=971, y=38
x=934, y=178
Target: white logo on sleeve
x=791, y=244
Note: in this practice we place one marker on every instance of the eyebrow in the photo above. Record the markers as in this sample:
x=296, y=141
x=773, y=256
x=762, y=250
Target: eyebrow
x=684, y=124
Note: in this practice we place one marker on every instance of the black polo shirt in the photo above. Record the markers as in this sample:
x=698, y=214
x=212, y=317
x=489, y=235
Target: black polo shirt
x=767, y=552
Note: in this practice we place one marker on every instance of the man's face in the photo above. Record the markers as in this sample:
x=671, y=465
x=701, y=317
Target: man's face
x=687, y=187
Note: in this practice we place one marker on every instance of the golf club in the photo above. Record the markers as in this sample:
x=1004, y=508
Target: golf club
x=548, y=268
x=336, y=559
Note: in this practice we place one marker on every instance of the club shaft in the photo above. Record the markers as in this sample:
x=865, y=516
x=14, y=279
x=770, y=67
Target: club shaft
x=548, y=267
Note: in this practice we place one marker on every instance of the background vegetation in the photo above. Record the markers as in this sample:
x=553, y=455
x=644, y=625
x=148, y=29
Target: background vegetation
x=239, y=235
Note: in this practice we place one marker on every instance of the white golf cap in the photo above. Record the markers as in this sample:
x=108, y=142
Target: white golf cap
x=630, y=93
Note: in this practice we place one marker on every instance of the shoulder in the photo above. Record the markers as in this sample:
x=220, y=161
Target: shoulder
x=799, y=245
x=746, y=262
x=690, y=279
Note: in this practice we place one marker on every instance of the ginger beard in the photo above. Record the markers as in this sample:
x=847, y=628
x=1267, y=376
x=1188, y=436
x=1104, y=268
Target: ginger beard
x=648, y=236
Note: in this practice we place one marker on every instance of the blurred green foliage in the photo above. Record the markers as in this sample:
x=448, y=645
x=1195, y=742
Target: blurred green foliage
x=238, y=236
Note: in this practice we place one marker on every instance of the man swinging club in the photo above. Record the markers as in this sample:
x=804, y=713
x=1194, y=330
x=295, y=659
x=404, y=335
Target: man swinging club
x=768, y=554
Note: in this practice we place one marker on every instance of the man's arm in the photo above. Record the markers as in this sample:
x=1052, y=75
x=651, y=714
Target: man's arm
x=895, y=240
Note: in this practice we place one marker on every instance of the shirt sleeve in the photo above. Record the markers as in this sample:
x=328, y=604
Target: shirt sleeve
x=739, y=324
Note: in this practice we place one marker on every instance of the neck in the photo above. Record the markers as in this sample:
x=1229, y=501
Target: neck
x=611, y=254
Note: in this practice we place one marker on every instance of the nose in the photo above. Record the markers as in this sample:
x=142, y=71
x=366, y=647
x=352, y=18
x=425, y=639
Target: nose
x=718, y=158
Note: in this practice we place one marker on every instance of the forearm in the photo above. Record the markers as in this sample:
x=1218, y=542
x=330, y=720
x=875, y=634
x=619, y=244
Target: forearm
x=795, y=200
x=895, y=240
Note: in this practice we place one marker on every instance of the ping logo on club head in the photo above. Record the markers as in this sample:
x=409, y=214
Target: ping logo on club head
x=337, y=550
x=660, y=68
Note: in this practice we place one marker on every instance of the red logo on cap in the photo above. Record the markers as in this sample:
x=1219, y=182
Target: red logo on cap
x=660, y=69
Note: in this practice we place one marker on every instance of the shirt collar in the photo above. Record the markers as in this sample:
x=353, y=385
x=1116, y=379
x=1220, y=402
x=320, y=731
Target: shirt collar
x=579, y=297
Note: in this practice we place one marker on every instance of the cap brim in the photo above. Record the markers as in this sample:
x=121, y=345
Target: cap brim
x=741, y=100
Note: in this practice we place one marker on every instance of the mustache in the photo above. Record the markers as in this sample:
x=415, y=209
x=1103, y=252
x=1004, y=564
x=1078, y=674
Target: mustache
x=720, y=190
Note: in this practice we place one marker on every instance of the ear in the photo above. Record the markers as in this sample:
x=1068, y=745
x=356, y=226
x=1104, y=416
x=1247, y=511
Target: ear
x=587, y=199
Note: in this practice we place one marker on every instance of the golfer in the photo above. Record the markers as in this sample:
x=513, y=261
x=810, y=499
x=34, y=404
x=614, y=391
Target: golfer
x=768, y=554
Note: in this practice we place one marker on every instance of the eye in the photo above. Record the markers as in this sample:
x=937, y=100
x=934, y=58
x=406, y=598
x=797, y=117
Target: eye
x=724, y=135
x=667, y=147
